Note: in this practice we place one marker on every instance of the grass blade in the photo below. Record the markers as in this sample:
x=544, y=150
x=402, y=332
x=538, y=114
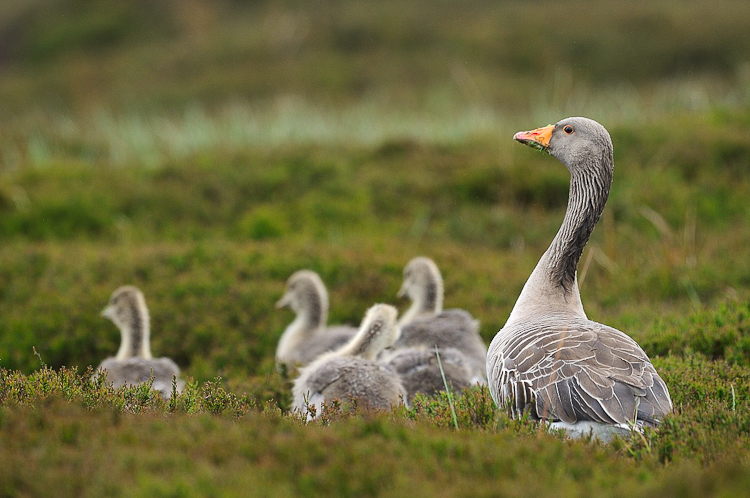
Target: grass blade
x=447, y=389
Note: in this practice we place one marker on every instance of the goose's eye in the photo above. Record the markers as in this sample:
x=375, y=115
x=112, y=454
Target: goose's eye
x=568, y=129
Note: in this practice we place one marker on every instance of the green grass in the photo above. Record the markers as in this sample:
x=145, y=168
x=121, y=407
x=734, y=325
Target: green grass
x=92, y=441
x=204, y=151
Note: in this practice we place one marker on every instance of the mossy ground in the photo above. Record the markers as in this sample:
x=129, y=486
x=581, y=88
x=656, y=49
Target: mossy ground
x=205, y=151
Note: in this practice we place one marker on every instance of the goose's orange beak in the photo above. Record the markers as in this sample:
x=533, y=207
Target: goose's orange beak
x=538, y=139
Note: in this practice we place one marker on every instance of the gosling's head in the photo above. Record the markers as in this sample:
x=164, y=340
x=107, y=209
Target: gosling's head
x=126, y=308
x=579, y=143
x=305, y=295
x=423, y=284
x=378, y=331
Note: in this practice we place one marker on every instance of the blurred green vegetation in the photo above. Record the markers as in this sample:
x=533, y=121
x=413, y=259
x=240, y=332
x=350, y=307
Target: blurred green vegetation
x=206, y=150
x=159, y=53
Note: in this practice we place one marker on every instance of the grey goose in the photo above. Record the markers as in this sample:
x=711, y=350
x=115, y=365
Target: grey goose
x=134, y=363
x=549, y=359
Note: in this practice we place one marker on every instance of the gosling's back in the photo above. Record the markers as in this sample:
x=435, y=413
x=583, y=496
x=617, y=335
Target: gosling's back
x=133, y=371
x=374, y=385
x=450, y=329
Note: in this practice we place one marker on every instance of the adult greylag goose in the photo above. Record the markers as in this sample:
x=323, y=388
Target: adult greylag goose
x=425, y=325
x=307, y=337
x=352, y=372
x=133, y=363
x=549, y=359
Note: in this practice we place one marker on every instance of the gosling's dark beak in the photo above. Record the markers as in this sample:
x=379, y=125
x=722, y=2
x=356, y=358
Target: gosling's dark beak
x=402, y=291
x=538, y=139
x=285, y=301
x=107, y=312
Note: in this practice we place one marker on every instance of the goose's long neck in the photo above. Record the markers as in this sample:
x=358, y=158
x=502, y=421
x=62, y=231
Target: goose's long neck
x=135, y=342
x=553, y=285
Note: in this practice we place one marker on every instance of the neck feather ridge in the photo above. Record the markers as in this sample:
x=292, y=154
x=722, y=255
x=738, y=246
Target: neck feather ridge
x=588, y=195
x=553, y=284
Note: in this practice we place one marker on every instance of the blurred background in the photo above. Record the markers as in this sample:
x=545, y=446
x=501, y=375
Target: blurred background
x=204, y=150
x=481, y=62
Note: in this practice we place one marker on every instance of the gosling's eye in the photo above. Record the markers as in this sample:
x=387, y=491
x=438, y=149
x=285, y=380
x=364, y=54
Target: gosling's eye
x=568, y=129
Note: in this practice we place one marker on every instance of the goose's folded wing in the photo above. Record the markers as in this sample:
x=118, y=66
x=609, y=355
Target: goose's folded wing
x=586, y=371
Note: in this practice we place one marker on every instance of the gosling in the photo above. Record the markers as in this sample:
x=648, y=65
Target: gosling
x=307, y=337
x=423, y=284
x=425, y=325
x=351, y=372
x=134, y=363
x=420, y=371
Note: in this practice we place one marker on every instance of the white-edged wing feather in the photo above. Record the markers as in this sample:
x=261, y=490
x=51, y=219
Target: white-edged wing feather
x=569, y=369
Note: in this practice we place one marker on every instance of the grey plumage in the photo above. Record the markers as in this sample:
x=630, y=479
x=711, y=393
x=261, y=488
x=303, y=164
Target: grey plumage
x=450, y=329
x=549, y=359
x=326, y=340
x=352, y=372
x=570, y=369
x=134, y=363
x=425, y=325
x=307, y=337
x=133, y=371
x=420, y=372
x=374, y=385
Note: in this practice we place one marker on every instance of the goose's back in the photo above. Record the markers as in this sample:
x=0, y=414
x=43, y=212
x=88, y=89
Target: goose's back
x=133, y=371
x=571, y=369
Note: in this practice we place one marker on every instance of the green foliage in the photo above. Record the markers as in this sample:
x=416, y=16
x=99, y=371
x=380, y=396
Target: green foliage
x=55, y=424
x=723, y=332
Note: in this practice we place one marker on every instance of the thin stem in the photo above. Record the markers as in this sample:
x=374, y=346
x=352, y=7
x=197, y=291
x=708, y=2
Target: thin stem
x=447, y=389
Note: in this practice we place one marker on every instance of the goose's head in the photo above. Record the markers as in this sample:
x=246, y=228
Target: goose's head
x=423, y=282
x=579, y=143
x=305, y=293
x=377, y=332
x=126, y=308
